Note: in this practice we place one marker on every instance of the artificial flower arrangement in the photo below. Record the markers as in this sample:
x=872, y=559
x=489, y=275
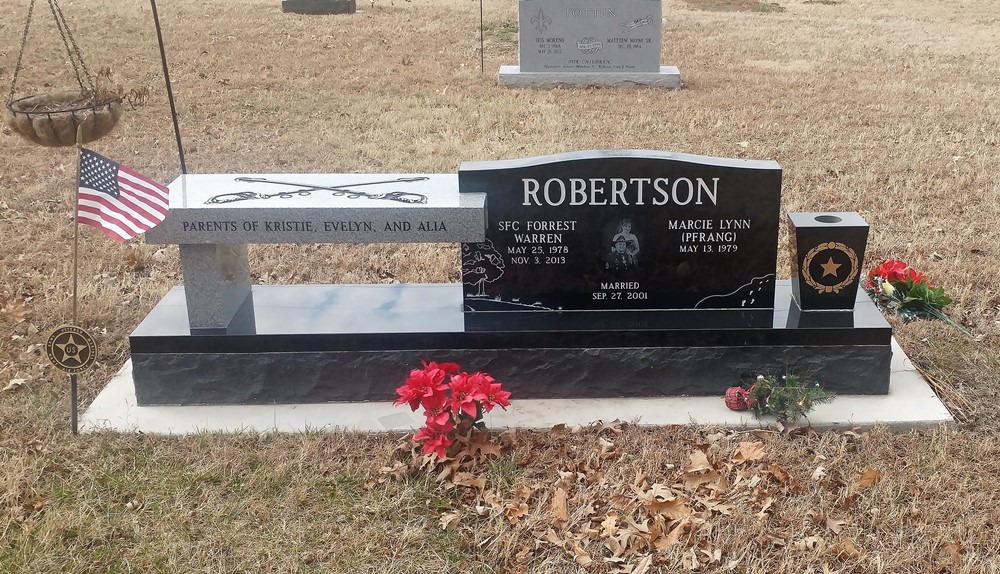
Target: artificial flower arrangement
x=451, y=408
x=894, y=285
x=787, y=397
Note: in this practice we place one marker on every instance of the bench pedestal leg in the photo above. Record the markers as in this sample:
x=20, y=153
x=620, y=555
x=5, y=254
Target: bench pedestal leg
x=216, y=284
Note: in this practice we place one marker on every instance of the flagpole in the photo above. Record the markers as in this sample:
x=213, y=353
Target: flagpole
x=76, y=257
x=482, y=50
x=170, y=91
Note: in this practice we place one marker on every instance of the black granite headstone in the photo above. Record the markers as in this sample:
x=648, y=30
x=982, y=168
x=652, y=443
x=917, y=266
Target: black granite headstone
x=610, y=230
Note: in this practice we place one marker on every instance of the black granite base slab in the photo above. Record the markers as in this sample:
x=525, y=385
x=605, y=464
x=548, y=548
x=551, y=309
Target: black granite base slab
x=320, y=343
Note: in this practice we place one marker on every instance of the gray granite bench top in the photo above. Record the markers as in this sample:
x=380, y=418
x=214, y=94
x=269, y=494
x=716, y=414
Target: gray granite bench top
x=320, y=208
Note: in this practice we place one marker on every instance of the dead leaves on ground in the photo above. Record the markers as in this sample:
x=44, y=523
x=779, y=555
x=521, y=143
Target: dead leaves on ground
x=586, y=512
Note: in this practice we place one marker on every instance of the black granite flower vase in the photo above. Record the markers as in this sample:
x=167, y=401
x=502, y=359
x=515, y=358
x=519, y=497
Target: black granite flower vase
x=827, y=250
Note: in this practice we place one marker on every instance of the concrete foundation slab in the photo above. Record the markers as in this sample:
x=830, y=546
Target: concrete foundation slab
x=910, y=404
x=667, y=77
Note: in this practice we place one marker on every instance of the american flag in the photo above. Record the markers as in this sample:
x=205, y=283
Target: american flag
x=116, y=200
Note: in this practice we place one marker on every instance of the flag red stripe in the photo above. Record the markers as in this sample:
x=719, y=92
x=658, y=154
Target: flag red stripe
x=147, y=188
x=104, y=227
x=113, y=209
x=139, y=211
x=120, y=226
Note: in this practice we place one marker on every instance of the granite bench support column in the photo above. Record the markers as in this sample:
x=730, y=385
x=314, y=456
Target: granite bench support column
x=216, y=284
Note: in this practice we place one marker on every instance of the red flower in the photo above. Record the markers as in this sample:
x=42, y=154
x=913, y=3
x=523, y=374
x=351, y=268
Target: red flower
x=493, y=393
x=420, y=384
x=436, y=437
x=464, y=394
x=915, y=276
x=436, y=409
x=891, y=270
x=446, y=367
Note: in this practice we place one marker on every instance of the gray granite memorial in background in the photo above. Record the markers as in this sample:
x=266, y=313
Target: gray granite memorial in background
x=319, y=6
x=589, y=42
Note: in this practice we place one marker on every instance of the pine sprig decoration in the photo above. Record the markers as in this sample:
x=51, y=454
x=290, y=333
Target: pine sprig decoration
x=787, y=397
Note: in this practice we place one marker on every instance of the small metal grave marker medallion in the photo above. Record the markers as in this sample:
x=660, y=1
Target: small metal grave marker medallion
x=71, y=349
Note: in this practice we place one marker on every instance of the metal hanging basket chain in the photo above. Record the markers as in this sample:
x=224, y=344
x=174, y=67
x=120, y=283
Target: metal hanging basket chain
x=52, y=119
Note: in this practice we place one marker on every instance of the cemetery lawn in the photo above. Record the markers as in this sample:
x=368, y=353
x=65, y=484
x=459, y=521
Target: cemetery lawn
x=885, y=108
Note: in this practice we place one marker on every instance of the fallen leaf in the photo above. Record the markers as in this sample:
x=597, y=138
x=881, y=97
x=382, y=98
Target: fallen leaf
x=749, y=451
x=845, y=549
x=557, y=508
x=743, y=144
x=699, y=462
x=614, y=427
x=836, y=524
x=13, y=384
x=765, y=507
x=15, y=310
x=809, y=543
x=643, y=566
x=778, y=473
x=551, y=537
x=609, y=526
x=819, y=473
x=869, y=477
x=953, y=551
x=514, y=512
x=468, y=479
x=674, y=536
x=581, y=556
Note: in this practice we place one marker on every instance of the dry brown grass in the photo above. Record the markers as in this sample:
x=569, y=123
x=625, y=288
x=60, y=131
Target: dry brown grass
x=886, y=108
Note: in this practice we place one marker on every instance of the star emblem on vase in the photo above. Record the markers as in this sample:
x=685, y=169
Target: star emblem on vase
x=830, y=268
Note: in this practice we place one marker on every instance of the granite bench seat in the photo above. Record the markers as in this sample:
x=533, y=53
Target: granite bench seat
x=213, y=217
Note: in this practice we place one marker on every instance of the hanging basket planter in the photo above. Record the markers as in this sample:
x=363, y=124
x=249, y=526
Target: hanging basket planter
x=52, y=119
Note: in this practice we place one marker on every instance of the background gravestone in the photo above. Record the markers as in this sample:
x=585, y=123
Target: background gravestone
x=319, y=6
x=589, y=42
x=571, y=36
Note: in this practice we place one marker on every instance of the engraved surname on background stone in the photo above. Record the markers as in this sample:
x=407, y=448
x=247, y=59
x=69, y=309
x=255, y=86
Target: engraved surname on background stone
x=590, y=13
x=619, y=191
x=347, y=226
x=288, y=226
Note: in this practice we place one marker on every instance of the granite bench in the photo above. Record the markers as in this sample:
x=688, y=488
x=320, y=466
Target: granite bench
x=213, y=217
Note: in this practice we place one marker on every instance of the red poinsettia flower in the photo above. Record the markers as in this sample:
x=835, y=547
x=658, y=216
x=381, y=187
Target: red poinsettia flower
x=493, y=393
x=420, y=384
x=446, y=367
x=436, y=437
x=464, y=394
x=914, y=275
x=891, y=270
x=436, y=408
